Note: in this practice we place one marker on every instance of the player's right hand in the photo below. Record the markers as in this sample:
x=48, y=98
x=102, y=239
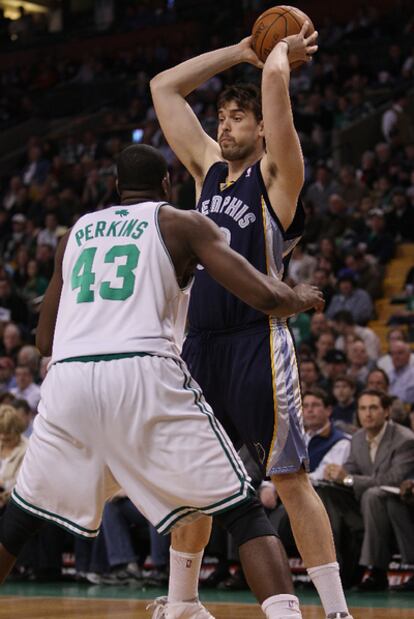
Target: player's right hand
x=310, y=297
x=248, y=54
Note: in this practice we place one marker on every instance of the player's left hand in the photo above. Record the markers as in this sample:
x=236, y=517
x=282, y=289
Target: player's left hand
x=300, y=47
x=248, y=54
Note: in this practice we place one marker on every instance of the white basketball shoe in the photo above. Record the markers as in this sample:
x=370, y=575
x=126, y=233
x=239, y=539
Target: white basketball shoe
x=163, y=609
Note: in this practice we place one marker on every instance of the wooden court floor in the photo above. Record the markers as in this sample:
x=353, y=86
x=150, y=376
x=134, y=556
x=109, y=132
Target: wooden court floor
x=62, y=608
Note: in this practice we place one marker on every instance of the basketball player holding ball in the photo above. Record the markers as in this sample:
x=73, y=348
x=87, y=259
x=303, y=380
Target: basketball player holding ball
x=248, y=182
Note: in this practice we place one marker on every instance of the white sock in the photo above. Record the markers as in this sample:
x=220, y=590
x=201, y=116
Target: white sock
x=328, y=584
x=282, y=607
x=184, y=575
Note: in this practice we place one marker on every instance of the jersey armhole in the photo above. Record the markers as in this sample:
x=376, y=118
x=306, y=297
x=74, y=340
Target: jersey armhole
x=297, y=226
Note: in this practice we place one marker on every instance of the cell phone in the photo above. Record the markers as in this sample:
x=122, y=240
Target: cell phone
x=137, y=135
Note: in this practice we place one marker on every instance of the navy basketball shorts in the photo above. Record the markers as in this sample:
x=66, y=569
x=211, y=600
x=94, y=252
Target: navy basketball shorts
x=250, y=379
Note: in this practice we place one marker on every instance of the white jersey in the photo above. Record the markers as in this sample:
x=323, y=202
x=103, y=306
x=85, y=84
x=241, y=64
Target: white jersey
x=120, y=293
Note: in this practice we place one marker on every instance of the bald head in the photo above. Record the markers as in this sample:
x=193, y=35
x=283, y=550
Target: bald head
x=400, y=354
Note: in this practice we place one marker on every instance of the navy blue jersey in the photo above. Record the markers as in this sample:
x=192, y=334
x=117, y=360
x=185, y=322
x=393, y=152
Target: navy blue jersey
x=243, y=211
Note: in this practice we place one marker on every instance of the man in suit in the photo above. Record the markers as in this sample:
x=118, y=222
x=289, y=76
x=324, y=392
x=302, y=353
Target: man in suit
x=382, y=454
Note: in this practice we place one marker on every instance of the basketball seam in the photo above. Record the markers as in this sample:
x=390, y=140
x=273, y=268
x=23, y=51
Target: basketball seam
x=291, y=13
x=279, y=15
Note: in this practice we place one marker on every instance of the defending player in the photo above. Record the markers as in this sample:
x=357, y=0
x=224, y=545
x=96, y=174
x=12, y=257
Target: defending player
x=248, y=182
x=118, y=406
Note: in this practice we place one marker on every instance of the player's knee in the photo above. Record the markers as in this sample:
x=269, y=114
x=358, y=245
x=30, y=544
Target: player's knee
x=193, y=537
x=246, y=522
x=291, y=486
x=16, y=527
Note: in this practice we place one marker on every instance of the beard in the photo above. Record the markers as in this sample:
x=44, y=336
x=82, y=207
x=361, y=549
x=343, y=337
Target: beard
x=231, y=151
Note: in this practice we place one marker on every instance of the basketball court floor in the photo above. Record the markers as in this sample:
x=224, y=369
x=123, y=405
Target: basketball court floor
x=99, y=602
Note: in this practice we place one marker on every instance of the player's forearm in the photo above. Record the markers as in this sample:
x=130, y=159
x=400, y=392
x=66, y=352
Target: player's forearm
x=187, y=76
x=277, y=67
x=283, y=301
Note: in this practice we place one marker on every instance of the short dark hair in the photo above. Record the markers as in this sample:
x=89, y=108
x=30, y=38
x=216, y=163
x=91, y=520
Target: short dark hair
x=20, y=403
x=140, y=167
x=383, y=397
x=316, y=392
x=381, y=371
x=247, y=96
x=344, y=378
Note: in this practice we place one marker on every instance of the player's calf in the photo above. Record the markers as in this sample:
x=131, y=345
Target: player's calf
x=16, y=527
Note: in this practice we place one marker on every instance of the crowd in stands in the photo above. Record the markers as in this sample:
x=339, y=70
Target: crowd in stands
x=356, y=217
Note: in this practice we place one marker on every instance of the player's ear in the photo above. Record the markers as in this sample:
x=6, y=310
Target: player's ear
x=261, y=129
x=166, y=187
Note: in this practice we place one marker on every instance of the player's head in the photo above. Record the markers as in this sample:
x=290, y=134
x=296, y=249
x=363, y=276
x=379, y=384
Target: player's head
x=240, y=122
x=142, y=170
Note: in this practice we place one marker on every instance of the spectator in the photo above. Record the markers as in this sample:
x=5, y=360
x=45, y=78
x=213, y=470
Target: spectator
x=380, y=243
x=395, y=334
x=322, y=280
x=359, y=363
x=378, y=379
x=309, y=374
x=30, y=357
x=326, y=443
x=37, y=168
x=335, y=364
x=337, y=220
x=324, y=344
x=344, y=411
x=350, y=189
x=400, y=221
x=25, y=413
x=344, y=325
x=301, y=266
x=352, y=299
x=12, y=449
x=7, y=378
x=49, y=234
x=17, y=237
x=318, y=325
x=397, y=125
x=319, y=192
x=382, y=453
x=12, y=305
x=401, y=374
x=25, y=388
x=12, y=341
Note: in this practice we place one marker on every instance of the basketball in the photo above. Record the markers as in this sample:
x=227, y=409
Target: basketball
x=275, y=24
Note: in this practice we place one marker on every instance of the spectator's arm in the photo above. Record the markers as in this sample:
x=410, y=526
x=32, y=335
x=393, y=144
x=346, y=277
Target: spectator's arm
x=49, y=309
x=338, y=454
x=401, y=466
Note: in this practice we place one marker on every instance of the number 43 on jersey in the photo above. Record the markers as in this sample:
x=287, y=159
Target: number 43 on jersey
x=83, y=275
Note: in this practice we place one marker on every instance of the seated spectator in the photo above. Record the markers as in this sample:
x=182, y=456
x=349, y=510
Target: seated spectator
x=395, y=334
x=36, y=284
x=25, y=413
x=344, y=411
x=7, y=377
x=26, y=388
x=359, y=363
x=378, y=379
x=326, y=443
x=49, y=234
x=352, y=299
x=12, y=305
x=323, y=281
x=309, y=374
x=301, y=266
x=382, y=453
x=30, y=357
x=335, y=364
x=324, y=344
x=12, y=449
x=400, y=221
x=318, y=325
x=350, y=188
x=321, y=189
x=337, y=220
x=401, y=374
x=380, y=243
x=397, y=126
x=12, y=341
x=344, y=325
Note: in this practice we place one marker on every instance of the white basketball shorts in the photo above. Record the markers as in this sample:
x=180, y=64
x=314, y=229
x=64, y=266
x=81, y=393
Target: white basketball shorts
x=139, y=423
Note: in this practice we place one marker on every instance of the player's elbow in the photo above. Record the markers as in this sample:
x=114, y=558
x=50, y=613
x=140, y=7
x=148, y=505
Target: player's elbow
x=159, y=83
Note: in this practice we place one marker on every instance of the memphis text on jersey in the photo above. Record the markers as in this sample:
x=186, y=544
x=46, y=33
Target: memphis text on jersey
x=231, y=206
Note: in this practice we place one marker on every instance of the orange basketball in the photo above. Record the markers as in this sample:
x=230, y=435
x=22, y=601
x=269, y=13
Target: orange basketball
x=276, y=24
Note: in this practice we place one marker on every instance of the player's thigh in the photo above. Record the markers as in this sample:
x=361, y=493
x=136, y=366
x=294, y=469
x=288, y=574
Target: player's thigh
x=167, y=450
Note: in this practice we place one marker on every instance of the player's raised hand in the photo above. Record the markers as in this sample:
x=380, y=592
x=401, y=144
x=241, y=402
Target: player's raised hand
x=300, y=46
x=310, y=297
x=248, y=54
